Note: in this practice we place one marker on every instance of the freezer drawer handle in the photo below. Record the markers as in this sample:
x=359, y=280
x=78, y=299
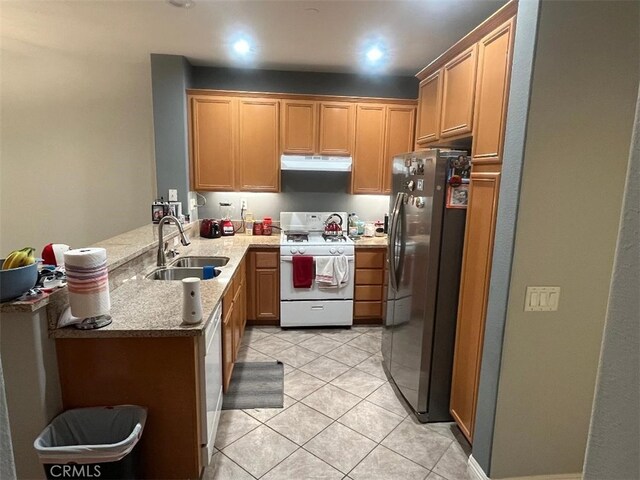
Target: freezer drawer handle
x=317, y=307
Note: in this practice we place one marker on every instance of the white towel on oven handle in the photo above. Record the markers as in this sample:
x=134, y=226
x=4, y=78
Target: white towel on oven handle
x=332, y=272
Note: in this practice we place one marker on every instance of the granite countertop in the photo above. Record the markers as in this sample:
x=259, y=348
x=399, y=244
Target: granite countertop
x=371, y=242
x=120, y=249
x=153, y=308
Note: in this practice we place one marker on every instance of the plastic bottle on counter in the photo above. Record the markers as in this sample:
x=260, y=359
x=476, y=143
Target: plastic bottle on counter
x=267, y=226
x=353, y=225
x=248, y=223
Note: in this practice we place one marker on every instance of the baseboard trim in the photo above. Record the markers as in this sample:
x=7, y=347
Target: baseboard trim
x=476, y=472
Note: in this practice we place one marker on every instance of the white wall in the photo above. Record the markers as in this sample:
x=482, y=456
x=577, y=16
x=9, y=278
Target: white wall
x=584, y=89
x=614, y=437
x=76, y=144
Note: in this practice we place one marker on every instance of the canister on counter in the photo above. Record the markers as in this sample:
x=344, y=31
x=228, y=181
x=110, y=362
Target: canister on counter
x=257, y=227
x=267, y=226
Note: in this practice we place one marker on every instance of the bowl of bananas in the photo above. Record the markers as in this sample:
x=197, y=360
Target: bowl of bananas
x=19, y=273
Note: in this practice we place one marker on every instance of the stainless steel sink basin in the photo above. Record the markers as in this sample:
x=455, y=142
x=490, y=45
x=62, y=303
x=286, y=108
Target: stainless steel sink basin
x=177, y=273
x=200, y=262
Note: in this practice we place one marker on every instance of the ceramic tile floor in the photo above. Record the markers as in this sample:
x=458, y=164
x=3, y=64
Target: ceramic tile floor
x=341, y=417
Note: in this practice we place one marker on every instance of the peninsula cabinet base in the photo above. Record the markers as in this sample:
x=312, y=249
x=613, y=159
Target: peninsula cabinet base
x=159, y=373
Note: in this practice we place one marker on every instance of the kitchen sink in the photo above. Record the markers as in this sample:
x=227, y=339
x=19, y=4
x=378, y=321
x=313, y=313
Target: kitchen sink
x=178, y=273
x=200, y=262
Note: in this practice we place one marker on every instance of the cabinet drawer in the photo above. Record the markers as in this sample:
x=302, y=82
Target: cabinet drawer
x=367, y=309
x=368, y=292
x=369, y=276
x=372, y=259
x=266, y=259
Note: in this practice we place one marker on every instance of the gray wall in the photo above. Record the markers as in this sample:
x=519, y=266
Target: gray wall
x=614, y=438
x=304, y=82
x=524, y=49
x=169, y=79
x=581, y=113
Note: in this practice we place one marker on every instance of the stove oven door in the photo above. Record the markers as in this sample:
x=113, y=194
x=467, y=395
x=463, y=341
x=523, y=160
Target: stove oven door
x=288, y=293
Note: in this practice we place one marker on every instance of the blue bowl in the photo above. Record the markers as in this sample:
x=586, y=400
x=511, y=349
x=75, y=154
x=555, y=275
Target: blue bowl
x=16, y=281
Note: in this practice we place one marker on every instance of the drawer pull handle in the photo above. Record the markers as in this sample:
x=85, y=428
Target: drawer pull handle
x=317, y=307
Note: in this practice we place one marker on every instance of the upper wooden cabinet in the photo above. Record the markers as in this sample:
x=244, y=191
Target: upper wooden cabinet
x=494, y=60
x=429, y=109
x=299, y=126
x=382, y=131
x=213, y=143
x=368, y=159
x=258, y=149
x=398, y=138
x=458, y=87
x=337, y=123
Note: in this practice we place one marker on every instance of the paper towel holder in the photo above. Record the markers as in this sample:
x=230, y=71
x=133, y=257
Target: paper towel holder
x=89, y=323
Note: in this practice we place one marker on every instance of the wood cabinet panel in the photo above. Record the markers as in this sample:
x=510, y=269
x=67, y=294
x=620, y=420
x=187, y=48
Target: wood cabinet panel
x=369, y=276
x=299, y=126
x=367, y=309
x=368, y=293
x=370, y=258
x=258, y=150
x=474, y=291
x=266, y=259
x=458, y=86
x=366, y=175
x=213, y=139
x=429, y=109
x=337, y=124
x=494, y=61
x=263, y=287
x=228, y=346
x=398, y=138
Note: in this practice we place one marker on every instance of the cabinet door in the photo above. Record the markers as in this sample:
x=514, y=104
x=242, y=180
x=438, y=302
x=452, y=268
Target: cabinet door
x=458, y=86
x=258, y=152
x=398, y=138
x=336, y=128
x=237, y=322
x=429, y=109
x=213, y=143
x=474, y=291
x=267, y=294
x=494, y=61
x=228, y=349
x=299, y=126
x=366, y=173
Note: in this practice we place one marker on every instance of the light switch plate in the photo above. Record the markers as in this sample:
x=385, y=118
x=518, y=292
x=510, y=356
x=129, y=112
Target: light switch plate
x=542, y=299
x=173, y=195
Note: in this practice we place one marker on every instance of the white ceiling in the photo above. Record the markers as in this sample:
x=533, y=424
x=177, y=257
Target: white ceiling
x=286, y=34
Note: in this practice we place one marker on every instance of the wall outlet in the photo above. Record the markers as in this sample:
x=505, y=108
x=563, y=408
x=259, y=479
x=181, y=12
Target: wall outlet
x=192, y=204
x=173, y=195
x=542, y=299
x=243, y=204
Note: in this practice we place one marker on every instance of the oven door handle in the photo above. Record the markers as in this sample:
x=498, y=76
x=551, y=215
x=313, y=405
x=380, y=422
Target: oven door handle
x=289, y=259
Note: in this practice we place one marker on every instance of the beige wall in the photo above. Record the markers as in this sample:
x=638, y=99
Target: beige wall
x=584, y=88
x=76, y=145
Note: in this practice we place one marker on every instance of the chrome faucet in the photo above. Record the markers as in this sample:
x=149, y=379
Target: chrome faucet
x=162, y=259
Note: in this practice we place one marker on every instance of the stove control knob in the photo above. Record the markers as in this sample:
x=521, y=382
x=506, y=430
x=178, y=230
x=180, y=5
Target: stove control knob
x=301, y=250
x=294, y=250
x=341, y=250
x=332, y=250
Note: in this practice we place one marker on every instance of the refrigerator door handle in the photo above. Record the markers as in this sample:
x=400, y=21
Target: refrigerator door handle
x=392, y=240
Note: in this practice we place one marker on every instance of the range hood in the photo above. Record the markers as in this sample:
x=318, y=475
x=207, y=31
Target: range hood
x=315, y=163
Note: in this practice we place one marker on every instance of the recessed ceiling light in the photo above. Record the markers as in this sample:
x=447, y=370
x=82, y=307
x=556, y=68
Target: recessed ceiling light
x=374, y=54
x=312, y=11
x=241, y=46
x=182, y=3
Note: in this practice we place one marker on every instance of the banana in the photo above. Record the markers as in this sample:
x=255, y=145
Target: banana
x=19, y=258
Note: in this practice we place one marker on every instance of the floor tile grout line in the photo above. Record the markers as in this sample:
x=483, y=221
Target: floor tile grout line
x=237, y=464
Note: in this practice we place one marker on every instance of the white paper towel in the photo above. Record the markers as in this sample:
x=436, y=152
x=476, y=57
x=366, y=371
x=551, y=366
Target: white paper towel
x=87, y=281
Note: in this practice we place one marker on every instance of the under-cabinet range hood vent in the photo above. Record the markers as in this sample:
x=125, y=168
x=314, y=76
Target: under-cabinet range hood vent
x=315, y=163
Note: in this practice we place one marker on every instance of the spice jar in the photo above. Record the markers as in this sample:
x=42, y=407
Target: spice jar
x=257, y=227
x=266, y=226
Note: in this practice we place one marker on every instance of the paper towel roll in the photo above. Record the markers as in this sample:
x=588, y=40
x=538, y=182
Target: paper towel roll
x=87, y=281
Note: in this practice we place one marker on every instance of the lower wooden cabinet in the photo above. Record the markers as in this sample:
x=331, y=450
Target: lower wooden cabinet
x=370, y=290
x=234, y=319
x=474, y=293
x=263, y=287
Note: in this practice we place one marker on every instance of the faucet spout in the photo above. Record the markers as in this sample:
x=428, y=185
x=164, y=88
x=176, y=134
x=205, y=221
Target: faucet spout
x=184, y=239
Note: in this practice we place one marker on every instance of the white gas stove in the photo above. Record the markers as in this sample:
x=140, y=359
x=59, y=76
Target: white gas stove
x=303, y=234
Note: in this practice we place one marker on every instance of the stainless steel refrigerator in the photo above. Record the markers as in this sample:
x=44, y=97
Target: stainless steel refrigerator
x=426, y=236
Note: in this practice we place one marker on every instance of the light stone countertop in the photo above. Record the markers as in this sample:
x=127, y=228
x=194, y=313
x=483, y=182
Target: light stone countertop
x=371, y=242
x=153, y=308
